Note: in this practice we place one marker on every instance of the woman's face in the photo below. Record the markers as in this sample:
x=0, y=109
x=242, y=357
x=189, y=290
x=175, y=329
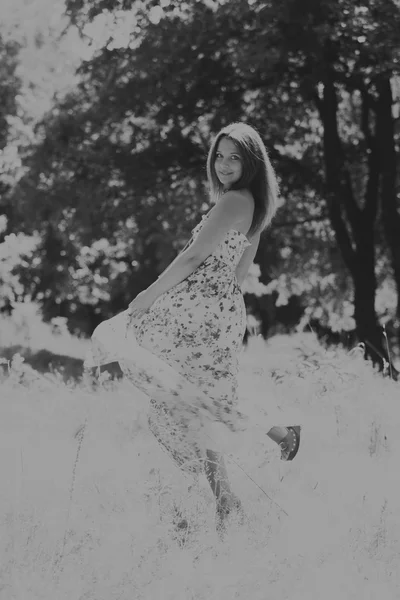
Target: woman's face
x=228, y=163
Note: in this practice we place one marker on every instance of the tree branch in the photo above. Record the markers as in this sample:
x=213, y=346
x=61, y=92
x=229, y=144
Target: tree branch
x=339, y=192
x=294, y=163
x=276, y=224
x=365, y=112
x=338, y=176
x=372, y=191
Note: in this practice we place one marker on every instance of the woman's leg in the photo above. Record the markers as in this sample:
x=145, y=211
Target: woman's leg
x=217, y=477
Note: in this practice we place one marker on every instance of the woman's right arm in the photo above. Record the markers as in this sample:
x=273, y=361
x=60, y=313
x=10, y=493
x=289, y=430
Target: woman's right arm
x=247, y=259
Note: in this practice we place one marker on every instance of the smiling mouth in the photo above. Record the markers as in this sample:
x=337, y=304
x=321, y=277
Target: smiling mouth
x=225, y=174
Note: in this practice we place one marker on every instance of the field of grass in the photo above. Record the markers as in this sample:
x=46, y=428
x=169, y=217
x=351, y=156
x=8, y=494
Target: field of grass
x=87, y=495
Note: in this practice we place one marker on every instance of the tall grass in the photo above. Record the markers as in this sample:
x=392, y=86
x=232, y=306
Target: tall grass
x=88, y=498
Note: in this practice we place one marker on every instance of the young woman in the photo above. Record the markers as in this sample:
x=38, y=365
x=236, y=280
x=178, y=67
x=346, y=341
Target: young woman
x=193, y=317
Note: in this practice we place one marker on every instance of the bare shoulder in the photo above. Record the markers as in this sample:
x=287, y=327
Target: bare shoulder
x=239, y=201
x=244, y=208
x=239, y=196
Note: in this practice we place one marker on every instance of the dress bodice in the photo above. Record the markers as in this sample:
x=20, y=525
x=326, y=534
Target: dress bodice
x=231, y=248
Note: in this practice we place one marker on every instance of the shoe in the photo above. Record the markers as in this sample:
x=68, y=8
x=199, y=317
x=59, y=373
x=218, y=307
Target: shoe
x=288, y=449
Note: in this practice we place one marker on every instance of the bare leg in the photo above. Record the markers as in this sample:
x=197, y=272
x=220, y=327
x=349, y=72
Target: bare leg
x=217, y=477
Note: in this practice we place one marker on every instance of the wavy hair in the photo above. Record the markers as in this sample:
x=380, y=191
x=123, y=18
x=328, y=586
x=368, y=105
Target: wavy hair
x=258, y=175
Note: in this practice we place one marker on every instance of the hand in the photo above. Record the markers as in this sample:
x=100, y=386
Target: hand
x=141, y=304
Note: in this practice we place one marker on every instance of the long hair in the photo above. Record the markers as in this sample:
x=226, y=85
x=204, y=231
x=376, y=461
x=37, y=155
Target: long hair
x=258, y=174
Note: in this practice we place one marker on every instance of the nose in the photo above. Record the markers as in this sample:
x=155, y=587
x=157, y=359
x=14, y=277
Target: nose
x=224, y=163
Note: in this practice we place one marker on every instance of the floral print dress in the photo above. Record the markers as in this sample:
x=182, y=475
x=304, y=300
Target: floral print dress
x=191, y=337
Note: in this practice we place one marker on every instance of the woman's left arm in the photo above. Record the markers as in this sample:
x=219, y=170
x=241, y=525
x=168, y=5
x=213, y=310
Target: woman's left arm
x=173, y=262
x=229, y=211
x=180, y=268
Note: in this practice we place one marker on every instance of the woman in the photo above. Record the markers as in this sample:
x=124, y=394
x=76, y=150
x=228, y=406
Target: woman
x=193, y=317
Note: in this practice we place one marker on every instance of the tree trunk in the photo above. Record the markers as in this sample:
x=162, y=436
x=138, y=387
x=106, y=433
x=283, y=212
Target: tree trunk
x=353, y=227
x=387, y=153
x=367, y=327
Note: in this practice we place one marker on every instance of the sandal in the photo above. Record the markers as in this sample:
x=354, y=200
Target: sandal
x=288, y=450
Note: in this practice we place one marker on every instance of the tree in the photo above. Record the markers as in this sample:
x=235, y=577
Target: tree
x=9, y=88
x=387, y=144
x=354, y=57
x=139, y=123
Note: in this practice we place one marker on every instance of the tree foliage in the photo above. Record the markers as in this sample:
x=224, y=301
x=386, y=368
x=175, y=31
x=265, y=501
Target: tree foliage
x=121, y=162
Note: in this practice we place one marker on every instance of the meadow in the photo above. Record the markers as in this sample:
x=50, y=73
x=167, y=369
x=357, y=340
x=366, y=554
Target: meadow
x=87, y=496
